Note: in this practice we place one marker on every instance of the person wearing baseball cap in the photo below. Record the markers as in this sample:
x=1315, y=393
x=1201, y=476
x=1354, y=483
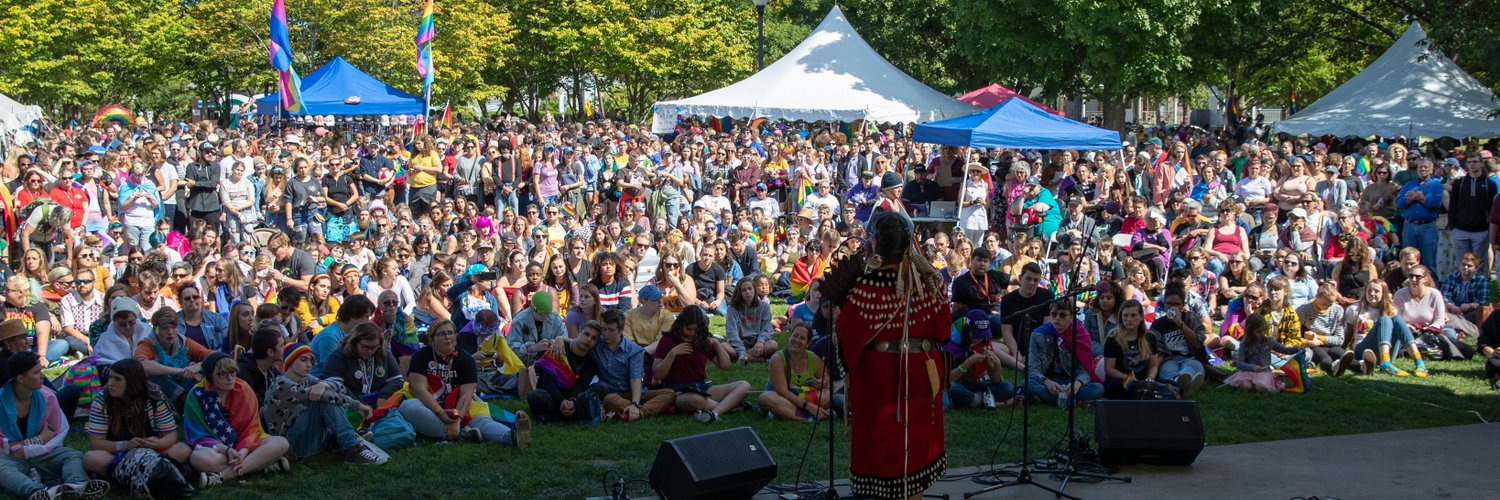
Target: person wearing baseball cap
x=864, y=195
x=534, y=327
x=646, y=323
x=976, y=378
x=1037, y=202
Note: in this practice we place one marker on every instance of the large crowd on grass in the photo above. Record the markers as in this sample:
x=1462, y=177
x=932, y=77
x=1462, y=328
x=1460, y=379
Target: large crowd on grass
x=209, y=303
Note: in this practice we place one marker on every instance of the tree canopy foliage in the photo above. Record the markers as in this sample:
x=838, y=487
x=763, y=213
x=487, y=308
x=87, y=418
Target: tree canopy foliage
x=74, y=55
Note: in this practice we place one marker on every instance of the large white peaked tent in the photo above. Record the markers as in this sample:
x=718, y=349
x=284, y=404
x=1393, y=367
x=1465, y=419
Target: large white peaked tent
x=833, y=75
x=1410, y=91
x=14, y=117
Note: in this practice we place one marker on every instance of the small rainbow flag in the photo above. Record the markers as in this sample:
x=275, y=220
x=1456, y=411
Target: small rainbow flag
x=1380, y=225
x=1296, y=374
x=448, y=114
x=281, y=58
x=567, y=209
x=426, y=31
x=1361, y=165
x=113, y=113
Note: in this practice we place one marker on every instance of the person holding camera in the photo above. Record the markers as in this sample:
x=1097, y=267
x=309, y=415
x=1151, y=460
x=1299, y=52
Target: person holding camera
x=1179, y=333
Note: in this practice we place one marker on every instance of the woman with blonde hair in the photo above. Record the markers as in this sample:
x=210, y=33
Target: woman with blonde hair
x=1379, y=333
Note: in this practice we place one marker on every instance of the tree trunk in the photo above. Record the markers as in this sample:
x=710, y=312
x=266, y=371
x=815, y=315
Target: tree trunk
x=1114, y=114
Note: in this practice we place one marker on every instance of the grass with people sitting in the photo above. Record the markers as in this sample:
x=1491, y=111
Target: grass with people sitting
x=572, y=461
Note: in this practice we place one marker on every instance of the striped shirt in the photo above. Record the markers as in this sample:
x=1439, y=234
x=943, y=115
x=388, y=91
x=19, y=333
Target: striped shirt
x=159, y=416
x=617, y=295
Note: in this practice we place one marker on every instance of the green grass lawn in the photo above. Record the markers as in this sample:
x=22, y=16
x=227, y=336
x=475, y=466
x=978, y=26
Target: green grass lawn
x=570, y=461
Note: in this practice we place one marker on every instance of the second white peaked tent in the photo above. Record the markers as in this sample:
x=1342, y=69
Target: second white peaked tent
x=1410, y=91
x=833, y=75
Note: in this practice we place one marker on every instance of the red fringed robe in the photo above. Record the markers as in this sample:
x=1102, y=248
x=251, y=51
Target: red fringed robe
x=896, y=450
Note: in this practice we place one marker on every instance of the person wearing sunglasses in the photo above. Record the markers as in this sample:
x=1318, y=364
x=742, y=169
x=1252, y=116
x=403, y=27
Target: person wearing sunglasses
x=1058, y=366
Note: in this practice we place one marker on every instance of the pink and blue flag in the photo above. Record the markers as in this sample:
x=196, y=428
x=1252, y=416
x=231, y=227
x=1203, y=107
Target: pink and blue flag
x=426, y=31
x=281, y=58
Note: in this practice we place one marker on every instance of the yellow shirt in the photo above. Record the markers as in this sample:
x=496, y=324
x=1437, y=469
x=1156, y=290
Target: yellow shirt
x=644, y=330
x=420, y=179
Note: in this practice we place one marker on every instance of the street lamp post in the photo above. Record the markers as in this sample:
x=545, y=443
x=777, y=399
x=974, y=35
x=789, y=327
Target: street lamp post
x=760, y=34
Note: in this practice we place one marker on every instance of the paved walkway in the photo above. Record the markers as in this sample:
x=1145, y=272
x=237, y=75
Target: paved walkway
x=1444, y=462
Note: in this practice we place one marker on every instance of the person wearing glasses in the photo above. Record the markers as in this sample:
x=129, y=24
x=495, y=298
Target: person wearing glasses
x=443, y=381
x=1422, y=306
x=211, y=329
x=202, y=179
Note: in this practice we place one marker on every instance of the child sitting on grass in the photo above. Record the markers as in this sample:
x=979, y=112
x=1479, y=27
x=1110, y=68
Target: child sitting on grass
x=1253, y=358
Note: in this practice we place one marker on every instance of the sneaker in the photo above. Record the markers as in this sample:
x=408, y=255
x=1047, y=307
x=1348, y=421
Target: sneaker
x=705, y=416
x=1196, y=384
x=59, y=491
x=1184, y=380
x=1390, y=369
x=1367, y=365
x=1339, y=365
x=989, y=400
x=520, y=435
x=1421, y=371
x=206, y=479
x=470, y=434
x=362, y=455
x=281, y=465
x=42, y=494
x=94, y=488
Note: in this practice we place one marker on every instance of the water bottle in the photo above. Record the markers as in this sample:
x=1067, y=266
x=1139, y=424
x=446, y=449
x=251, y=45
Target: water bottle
x=1062, y=399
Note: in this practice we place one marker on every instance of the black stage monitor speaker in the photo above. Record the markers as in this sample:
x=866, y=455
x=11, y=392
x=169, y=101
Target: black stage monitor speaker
x=728, y=464
x=1153, y=432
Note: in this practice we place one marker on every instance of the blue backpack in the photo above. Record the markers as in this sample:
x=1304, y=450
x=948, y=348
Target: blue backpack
x=393, y=432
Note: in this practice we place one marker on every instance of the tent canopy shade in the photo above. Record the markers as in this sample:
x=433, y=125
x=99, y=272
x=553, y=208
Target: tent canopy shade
x=1410, y=90
x=325, y=92
x=1017, y=124
x=993, y=94
x=833, y=75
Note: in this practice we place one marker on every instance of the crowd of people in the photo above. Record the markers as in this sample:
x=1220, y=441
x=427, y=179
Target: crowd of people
x=282, y=293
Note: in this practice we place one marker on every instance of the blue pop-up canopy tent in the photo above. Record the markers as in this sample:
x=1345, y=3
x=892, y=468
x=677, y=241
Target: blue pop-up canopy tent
x=330, y=91
x=1018, y=124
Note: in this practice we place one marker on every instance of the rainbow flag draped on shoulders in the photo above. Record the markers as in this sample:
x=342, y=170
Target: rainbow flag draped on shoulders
x=209, y=419
x=803, y=275
x=289, y=83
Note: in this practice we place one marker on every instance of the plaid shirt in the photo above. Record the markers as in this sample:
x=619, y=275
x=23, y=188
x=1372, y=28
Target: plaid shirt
x=1474, y=291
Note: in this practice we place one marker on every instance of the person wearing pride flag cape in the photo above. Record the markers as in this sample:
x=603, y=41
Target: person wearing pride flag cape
x=223, y=427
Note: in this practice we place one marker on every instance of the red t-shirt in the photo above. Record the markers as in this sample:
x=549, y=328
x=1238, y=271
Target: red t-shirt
x=686, y=368
x=75, y=198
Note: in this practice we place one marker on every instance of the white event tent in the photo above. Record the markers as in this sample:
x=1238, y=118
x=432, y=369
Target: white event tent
x=14, y=117
x=1411, y=91
x=833, y=75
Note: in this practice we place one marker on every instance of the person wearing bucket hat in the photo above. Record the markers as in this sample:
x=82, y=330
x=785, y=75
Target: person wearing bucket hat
x=976, y=375
x=309, y=412
x=35, y=442
x=890, y=194
x=12, y=341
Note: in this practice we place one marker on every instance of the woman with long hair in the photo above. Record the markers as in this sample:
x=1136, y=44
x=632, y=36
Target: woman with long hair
x=129, y=414
x=747, y=325
x=1101, y=318
x=1301, y=283
x=1129, y=352
x=1353, y=273
x=365, y=364
x=271, y=198
x=681, y=363
x=587, y=308
x=560, y=281
x=227, y=284
x=388, y=277
x=677, y=288
x=319, y=307
x=1284, y=326
x=433, y=304
x=1236, y=276
x=1380, y=333
x=1137, y=285
x=511, y=278
x=241, y=319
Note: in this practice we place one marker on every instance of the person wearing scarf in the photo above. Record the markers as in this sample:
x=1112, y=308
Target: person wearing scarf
x=223, y=427
x=34, y=428
x=170, y=359
x=1053, y=371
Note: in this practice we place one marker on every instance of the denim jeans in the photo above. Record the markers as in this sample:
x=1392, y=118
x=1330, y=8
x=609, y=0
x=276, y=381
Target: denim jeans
x=1423, y=237
x=1089, y=391
x=304, y=224
x=63, y=466
x=57, y=348
x=1178, y=365
x=171, y=388
x=319, y=421
x=139, y=236
x=675, y=204
x=968, y=393
x=505, y=200
x=428, y=425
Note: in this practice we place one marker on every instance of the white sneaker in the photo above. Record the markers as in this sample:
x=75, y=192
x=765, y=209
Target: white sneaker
x=989, y=400
x=206, y=479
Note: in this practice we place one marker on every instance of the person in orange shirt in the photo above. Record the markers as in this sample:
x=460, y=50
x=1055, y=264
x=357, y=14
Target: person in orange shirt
x=171, y=360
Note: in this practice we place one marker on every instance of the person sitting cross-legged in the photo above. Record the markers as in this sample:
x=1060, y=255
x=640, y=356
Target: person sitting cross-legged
x=798, y=389
x=34, y=427
x=681, y=364
x=976, y=376
x=131, y=415
x=308, y=411
x=223, y=426
x=443, y=381
x=1055, y=374
x=170, y=359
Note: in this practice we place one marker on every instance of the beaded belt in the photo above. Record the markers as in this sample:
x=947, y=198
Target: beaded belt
x=912, y=345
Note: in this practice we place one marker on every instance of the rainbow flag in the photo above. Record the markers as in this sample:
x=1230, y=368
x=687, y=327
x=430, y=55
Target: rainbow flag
x=113, y=113
x=281, y=59
x=725, y=124
x=756, y=123
x=714, y=123
x=448, y=114
x=1380, y=225
x=1296, y=374
x=1361, y=165
x=803, y=276
x=567, y=209
x=426, y=31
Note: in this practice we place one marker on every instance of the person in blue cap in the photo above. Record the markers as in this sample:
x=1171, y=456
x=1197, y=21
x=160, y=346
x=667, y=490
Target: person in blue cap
x=976, y=379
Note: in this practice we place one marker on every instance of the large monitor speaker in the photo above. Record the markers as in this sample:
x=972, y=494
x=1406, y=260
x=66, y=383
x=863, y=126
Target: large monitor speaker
x=1152, y=432
x=731, y=463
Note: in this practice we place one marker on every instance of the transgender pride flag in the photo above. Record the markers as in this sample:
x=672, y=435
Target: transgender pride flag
x=281, y=59
x=426, y=31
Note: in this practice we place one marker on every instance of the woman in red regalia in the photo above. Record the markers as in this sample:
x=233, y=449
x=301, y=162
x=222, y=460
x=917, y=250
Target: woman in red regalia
x=892, y=324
